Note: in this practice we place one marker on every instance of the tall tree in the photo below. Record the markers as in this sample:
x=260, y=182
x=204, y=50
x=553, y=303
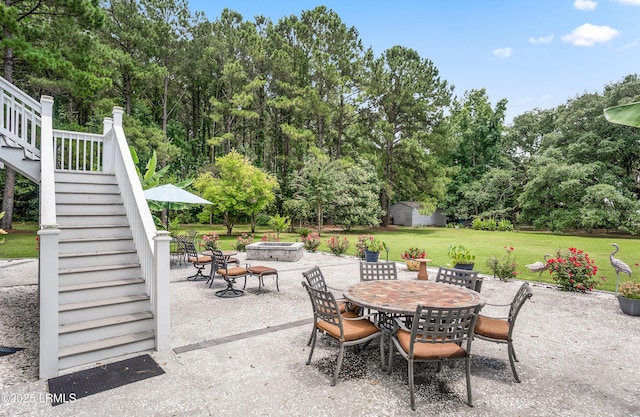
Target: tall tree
x=477, y=131
x=403, y=105
x=318, y=182
x=25, y=23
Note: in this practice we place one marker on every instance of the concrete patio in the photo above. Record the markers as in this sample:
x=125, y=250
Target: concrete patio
x=246, y=356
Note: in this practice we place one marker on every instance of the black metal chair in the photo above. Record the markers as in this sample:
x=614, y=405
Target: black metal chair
x=348, y=331
x=371, y=271
x=198, y=261
x=500, y=330
x=436, y=335
x=460, y=277
x=221, y=267
x=315, y=279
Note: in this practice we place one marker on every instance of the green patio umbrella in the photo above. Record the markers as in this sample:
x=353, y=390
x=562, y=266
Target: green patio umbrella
x=169, y=193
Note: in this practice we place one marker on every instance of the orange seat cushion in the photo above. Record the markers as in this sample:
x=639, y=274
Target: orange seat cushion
x=200, y=259
x=264, y=270
x=425, y=350
x=233, y=272
x=353, y=329
x=490, y=327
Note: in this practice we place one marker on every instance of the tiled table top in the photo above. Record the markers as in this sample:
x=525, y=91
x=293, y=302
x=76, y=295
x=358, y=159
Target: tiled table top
x=402, y=297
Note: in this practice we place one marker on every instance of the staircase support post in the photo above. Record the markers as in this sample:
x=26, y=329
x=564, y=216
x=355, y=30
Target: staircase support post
x=161, y=297
x=48, y=285
x=109, y=150
x=47, y=166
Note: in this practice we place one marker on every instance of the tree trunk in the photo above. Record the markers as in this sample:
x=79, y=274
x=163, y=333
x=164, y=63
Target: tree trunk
x=7, y=201
x=10, y=174
x=319, y=219
x=228, y=224
x=253, y=223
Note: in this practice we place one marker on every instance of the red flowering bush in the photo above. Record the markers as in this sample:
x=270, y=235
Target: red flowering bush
x=270, y=237
x=311, y=242
x=211, y=240
x=338, y=245
x=573, y=270
x=242, y=241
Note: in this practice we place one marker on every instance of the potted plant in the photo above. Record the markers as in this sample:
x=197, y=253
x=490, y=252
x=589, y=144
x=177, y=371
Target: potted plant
x=629, y=298
x=410, y=255
x=461, y=257
x=373, y=246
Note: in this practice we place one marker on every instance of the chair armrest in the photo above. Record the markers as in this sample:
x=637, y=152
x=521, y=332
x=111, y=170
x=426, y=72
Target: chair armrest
x=497, y=305
x=492, y=317
x=398, y=324
x=366, y=316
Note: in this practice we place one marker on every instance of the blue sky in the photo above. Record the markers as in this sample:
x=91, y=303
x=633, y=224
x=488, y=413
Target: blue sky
x=534, y=53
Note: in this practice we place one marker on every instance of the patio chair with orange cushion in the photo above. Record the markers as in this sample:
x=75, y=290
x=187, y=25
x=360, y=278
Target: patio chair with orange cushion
x=348, y=331
x=500, y=330
x=315, y=279
x=436, y=335
x=229, y=274
x=199, y=261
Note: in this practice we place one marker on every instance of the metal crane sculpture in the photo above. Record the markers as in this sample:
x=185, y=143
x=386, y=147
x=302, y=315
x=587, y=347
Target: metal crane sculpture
x=618, y=265
x=539, y=266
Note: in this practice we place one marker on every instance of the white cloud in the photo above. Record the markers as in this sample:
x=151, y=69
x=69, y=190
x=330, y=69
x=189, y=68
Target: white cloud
x=630, y=2
x=589, y=35
x=542, y=39
x=585, y=4
x=503, y=52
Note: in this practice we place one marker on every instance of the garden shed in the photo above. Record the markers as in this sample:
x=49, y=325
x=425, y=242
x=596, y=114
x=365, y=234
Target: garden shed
x=405, y=213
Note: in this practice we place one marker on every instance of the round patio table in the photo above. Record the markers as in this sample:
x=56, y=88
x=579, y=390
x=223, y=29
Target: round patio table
x=402, y=297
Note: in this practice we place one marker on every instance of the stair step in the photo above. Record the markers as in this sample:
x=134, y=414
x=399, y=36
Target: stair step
x=85, y=178
x=108, y=321
x=102, y=302
x=97, y=268
x=104, y=344
x=103, y=284
x=95, y=253
x=88, y=240
x=91, y=219
x=90, y=209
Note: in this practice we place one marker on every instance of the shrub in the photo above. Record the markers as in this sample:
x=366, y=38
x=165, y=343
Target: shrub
x=270, y=237
x=303, y=231
x=262, y=219
x=338, y=245
x=311, y=242
x=242, y=241
x=573, y=270
x=505, y=226
x=504, y=268
x=211, y=240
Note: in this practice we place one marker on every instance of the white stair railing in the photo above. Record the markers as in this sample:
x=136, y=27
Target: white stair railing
x=143, y=229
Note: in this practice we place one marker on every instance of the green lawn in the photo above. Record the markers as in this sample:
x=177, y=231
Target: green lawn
x=529, y=246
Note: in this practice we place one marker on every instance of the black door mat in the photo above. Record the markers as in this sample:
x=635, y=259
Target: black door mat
x=102, y=378
x=4, y=351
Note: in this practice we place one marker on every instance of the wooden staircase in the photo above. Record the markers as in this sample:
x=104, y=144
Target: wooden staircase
x=103, y=305
x=104, y=269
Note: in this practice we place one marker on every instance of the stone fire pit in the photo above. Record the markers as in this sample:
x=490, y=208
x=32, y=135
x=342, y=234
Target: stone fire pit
x=275, y=251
